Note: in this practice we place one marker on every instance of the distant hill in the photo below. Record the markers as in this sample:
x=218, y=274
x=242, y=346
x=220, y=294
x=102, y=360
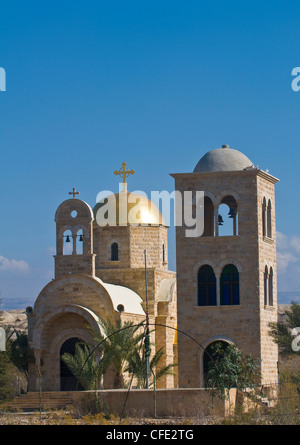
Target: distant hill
x=10, y=304
x=16, y=319
x=288, y=297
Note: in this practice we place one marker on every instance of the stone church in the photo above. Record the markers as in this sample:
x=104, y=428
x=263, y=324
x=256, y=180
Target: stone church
x=100, y=274
x=224, y=288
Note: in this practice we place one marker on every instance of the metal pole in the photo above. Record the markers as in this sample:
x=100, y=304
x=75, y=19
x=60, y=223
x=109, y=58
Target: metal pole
x=40, y=390
x=154, y=393
x=147, y=340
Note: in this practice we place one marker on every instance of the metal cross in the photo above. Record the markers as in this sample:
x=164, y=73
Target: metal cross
x=74, y=192
x=124, y=172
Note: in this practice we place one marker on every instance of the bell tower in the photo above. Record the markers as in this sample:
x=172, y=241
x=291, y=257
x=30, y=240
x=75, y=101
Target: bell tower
x=226, y=278
x=74, y=238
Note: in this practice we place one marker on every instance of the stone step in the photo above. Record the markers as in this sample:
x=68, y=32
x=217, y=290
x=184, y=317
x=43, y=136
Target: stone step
x=45, y=400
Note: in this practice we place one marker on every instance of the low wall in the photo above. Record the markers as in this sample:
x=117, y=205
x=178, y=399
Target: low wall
x=187, y=402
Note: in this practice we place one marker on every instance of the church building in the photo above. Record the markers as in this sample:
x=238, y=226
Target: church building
x=225, y=287
x=100, y=274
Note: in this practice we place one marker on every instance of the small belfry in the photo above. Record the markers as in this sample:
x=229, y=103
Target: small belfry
x=74, y=222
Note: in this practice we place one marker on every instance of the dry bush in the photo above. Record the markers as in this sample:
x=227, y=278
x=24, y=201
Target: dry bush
x=91, y=403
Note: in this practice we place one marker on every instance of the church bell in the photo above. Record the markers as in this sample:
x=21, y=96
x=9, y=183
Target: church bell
x=231, y=213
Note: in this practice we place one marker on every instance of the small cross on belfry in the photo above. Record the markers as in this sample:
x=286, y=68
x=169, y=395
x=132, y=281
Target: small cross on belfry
x=74, y=193
x=124, y=172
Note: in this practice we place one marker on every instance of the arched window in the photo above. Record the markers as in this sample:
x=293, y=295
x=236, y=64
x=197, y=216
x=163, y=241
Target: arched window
x=271, y=287
x=207, y=295
x=114, y=252
x=163, y=254
x=264, y=217
x=229, y=286
x=269, y=219
x=228, y=217
x=266, y=286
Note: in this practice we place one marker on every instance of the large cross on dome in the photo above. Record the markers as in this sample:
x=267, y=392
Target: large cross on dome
x=124, y=172
x=74, y=193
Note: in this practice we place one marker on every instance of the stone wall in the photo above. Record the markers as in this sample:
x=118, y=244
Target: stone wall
x=132, y=242
x=189, y=402
x=267, y=257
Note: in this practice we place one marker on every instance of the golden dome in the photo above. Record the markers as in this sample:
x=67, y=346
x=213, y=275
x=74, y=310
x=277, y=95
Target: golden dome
x=127, y=208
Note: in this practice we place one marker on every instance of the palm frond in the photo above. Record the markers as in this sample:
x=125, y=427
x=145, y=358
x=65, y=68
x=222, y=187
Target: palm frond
x=84, y=366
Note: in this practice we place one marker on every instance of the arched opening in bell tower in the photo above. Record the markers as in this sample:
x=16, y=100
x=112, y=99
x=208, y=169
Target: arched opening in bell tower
x=264, y=217
x=208, y=217
x=67, y=243
x=269, y=219
x=79, y=242
x=228, y=217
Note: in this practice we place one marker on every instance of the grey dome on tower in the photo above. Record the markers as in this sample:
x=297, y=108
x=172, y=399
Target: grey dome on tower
x=223, y=159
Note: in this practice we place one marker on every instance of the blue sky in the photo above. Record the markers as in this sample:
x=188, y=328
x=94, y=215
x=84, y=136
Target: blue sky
x=156, y=84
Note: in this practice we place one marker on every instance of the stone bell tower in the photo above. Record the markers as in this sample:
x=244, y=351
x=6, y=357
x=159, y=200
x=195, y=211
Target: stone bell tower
x=74, y=238
x=226, y=279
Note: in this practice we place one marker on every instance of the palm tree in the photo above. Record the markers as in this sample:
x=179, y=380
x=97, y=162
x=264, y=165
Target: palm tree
x=137, y=366
x=118, y=342
x=85, y=367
